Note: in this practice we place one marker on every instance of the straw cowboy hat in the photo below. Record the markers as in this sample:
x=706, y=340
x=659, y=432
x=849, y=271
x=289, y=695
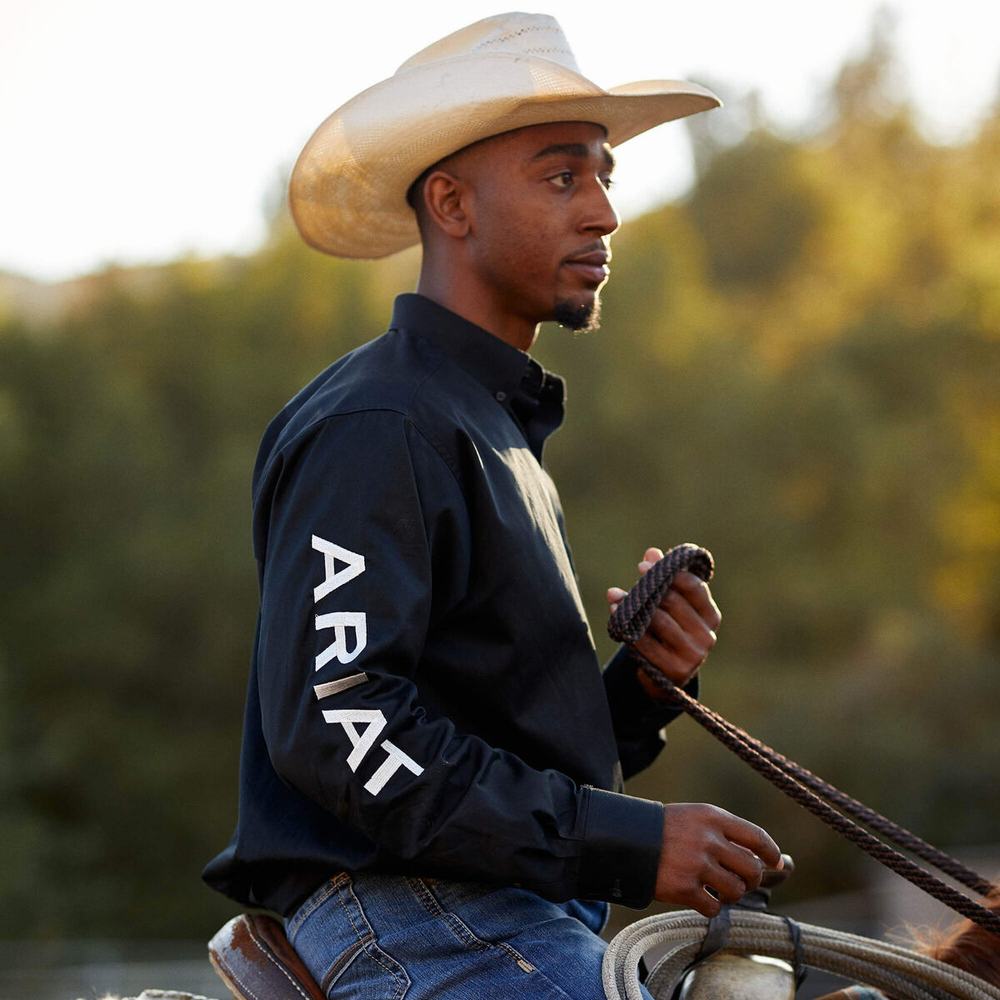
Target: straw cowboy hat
x=347, y=192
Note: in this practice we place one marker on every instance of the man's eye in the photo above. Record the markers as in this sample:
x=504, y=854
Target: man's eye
x=565, y=175
x=609, y=182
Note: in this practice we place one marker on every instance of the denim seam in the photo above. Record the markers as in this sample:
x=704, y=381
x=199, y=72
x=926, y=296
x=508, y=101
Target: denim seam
x=340, y=966
x=459, y=927
x=309, y=907
x=370, y=942
x=456, y=925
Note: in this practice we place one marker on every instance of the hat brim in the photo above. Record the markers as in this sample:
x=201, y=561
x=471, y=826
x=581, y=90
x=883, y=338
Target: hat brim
x=347, y=192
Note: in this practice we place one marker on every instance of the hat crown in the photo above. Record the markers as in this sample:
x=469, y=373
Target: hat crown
x=515, y=33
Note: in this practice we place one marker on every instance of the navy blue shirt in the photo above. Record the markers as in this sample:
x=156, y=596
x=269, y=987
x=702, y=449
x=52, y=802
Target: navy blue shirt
x=424, y=695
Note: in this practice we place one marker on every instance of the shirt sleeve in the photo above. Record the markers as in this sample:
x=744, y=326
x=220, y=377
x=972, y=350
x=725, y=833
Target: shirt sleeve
x=367, y=549
x=638, y=720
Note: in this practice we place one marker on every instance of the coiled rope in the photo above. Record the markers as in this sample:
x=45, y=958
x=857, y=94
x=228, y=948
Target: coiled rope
x=629, y=622
x=901, y=973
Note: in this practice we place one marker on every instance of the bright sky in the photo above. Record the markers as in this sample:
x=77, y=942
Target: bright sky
x=137, y=130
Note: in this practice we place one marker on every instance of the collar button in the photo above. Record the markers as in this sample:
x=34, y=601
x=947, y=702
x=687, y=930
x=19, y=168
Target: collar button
x=500, y=396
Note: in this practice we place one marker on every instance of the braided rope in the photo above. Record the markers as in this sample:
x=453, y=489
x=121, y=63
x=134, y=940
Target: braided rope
x=635, y=611
x=629, y=622
x=892, y=831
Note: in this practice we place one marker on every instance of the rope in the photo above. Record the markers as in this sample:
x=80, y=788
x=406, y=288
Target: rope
x=880, y=824
x=630, y=621
x=899, y=972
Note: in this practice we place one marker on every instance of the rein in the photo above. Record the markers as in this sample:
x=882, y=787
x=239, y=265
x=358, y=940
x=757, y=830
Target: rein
x=628, y=624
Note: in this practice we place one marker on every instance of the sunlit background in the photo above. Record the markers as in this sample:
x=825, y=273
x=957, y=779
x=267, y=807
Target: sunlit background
x=799, y=367
x=137, y=131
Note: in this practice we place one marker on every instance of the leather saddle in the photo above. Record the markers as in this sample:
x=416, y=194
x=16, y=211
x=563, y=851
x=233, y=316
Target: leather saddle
x=254, y=959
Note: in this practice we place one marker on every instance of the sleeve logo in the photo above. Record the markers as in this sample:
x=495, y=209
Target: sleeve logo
x=343, y=650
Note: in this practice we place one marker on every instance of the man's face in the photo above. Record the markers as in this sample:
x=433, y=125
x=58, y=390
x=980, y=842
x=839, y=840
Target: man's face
x=542, y=220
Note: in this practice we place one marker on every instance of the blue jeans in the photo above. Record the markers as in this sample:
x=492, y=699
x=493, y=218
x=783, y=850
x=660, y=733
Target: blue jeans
x=367, y=936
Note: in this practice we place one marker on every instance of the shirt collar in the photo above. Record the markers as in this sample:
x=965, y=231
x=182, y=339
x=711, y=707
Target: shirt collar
x=533, y=396
x=490, y=360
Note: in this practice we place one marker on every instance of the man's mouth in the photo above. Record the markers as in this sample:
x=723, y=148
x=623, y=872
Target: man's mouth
x=592, y=266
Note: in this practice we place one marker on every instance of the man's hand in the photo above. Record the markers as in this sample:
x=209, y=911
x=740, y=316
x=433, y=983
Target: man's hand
x=682, y=630
x=706, y=848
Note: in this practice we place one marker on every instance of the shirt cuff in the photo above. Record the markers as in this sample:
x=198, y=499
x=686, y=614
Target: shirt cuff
x=622, y=840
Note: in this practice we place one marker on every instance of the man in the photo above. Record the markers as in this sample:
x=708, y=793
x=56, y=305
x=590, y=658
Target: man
x=432, y=771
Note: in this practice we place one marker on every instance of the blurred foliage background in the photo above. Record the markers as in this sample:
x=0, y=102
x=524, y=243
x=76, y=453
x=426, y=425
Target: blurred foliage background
x=798, y=368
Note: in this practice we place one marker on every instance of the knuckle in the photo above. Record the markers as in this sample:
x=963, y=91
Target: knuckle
x=661, y=621
x=694, y=655
x=738, y=890
x=729, y=894
x=766, y=845
x=671, y=603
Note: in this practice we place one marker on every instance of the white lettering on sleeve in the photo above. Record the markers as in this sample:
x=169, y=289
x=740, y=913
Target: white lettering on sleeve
x=390, y=766
x=334, y=577
x=373, y=721
x=349, y=719
x=339, y=621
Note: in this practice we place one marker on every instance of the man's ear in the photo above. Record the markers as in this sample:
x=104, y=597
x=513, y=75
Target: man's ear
x=446, y=203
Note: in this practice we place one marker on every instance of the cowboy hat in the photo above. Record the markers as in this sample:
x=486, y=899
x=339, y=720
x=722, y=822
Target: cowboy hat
x=347, y=192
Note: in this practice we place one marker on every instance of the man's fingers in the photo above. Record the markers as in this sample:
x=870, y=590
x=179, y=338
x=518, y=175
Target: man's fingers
x=743, y=864
x=704, y=902
x=686, y=586
x=681, y=632
x=691, y=588
x=754, y=839
x=708, y=852
x=715, y=887
x=697, y=593
x=677, y=606
x=729, y=887
x=667, y=646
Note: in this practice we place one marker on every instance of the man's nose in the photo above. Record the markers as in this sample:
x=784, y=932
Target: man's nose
x=600, y=215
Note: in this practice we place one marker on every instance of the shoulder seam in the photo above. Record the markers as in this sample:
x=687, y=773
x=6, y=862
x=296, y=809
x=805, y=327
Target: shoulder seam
x=313, y=427
x=431, y=443
x=309, y=428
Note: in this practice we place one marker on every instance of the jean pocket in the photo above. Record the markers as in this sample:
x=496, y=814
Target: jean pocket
x=363, y=969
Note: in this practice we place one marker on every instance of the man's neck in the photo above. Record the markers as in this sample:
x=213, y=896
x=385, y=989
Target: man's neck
x=478, y=305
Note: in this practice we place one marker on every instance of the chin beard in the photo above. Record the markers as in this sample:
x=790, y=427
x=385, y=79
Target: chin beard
x=581, y=316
